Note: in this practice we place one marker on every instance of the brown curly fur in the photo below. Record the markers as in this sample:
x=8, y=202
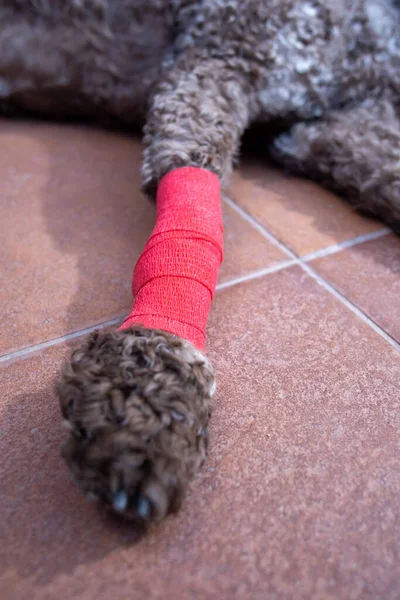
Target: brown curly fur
x=137, y=403
x=323, y=75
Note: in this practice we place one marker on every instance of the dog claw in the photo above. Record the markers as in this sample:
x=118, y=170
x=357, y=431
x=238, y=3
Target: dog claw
x=143, y=507
x=120, y=501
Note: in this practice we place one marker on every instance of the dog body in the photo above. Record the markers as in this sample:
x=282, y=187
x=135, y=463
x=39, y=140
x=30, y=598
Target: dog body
x=296, y=59
x=197, y=73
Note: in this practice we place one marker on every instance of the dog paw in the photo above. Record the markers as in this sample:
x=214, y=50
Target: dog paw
x=137, y=404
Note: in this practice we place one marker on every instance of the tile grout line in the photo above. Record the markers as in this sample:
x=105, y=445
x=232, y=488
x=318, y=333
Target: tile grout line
x=81, y=332
x=59, y=340
x=256, y=225
x=361, y=239
x=327, y=251
x=294, y=260
x=303, y=263
x=357, y=311
x=256, y=274
x=250, y=276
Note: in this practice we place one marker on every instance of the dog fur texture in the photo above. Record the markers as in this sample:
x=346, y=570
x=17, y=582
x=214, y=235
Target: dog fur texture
x=195, y=74
x=138, y=404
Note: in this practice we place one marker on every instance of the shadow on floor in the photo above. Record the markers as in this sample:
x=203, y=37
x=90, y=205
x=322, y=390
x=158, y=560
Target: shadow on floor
x=47, y=528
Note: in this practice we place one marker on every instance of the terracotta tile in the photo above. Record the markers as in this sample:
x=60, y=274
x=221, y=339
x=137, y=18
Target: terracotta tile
x=300, y=213
x=245, y=250
x=74, y=223
x=369, y=276
x=299, y=498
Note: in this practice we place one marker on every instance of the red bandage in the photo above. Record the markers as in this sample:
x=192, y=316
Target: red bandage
x=176, y=275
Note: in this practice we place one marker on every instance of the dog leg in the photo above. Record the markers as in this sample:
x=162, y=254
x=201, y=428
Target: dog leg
x=138, y=401
x=197, y=116
x=354, y=151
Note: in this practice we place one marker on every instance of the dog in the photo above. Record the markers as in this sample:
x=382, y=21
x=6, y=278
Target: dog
x=195, y=75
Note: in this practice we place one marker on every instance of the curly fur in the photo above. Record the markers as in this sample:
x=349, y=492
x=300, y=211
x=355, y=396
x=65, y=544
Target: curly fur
x=197, y=73
x=137, y=403
x=355, y=151
x=324, y=75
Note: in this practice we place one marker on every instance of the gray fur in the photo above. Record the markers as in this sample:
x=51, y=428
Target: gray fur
x=197, y=73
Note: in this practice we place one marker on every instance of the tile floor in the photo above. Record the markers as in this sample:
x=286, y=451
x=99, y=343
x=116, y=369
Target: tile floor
x=300, y=496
